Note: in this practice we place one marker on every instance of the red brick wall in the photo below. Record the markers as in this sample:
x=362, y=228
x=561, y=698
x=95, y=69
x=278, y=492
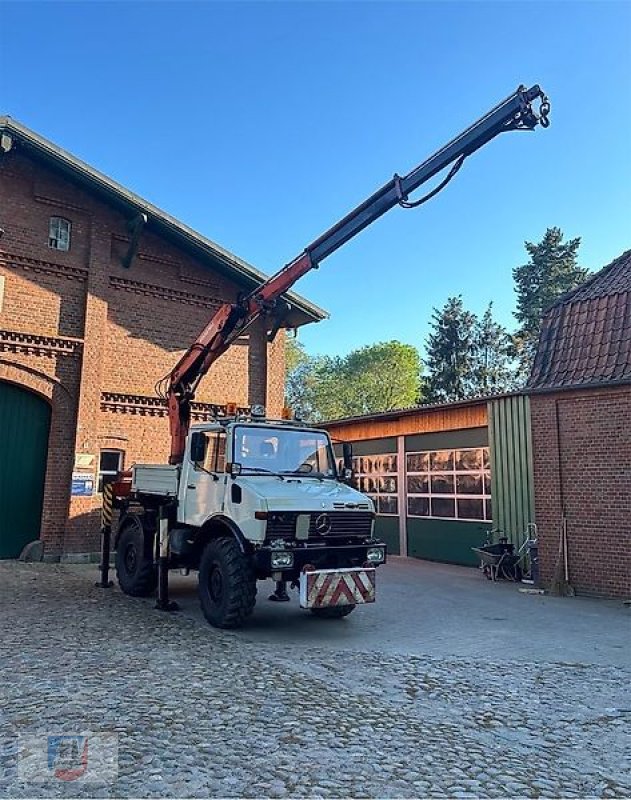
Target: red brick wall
x=585, y=462
x=77, y=328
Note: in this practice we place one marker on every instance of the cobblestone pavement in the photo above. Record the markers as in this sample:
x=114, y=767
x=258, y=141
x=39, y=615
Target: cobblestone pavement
x=202, y=713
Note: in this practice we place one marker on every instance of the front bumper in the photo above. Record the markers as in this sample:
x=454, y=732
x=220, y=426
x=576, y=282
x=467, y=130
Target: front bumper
x=328, y=588
x=320, y=557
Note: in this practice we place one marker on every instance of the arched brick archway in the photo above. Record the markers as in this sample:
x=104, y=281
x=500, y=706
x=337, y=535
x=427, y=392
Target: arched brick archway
x=59, y=458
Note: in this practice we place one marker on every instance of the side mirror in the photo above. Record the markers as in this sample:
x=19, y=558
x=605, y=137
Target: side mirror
x=347, y=475
x=198, y=447
x=347, y=454
x=233, y=469
x=347, y=460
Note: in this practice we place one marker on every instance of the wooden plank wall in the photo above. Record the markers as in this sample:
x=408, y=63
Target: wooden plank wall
x=421, y=421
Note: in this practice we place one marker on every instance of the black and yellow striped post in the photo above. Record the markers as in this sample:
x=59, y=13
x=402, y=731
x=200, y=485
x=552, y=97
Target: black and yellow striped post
x=107, y=511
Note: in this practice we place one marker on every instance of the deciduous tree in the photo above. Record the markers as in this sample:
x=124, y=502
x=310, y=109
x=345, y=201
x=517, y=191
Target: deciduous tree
x=378, y=377
x=299, y=369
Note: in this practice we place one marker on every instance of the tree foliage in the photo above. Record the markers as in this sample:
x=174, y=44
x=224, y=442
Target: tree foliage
x=467, y=355
x=450, y=351
x=298, y=378
x=493, y=366
x=379, y=377
x=551, y=271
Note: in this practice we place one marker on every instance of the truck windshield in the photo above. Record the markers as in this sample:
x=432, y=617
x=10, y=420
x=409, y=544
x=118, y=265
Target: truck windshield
x=283, y=451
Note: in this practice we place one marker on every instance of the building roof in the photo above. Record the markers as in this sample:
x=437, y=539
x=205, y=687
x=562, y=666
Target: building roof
x=411, y=411
x=429, y=418
x=158, y=221
x=586, y=334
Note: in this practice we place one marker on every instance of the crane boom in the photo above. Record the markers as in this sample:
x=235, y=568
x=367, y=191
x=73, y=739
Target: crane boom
x=516, y=112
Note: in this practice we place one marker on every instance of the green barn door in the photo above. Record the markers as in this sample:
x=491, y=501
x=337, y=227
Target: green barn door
x=24, y=425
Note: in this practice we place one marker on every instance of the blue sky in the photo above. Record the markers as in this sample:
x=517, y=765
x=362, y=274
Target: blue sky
x=262, y=124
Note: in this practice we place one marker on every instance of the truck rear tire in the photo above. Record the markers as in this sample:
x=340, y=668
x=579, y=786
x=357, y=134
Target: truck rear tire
x=135, y=570
x=227, y=584
x=333, y=612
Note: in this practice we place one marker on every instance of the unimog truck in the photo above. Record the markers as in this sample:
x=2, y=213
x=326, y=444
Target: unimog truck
x=252, y=499
x=244, y=498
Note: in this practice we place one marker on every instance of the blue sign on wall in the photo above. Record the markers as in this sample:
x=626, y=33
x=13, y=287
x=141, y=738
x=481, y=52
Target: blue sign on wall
x=82, y=484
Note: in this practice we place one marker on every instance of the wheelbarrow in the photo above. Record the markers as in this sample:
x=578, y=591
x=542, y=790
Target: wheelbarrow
x=499, y=560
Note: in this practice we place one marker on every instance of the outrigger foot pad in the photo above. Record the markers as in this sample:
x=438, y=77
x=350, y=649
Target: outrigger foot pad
x=170, y=606
x=280, y=597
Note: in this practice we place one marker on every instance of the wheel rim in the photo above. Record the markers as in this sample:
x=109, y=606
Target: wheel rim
x=131, y=559
x=215, y=584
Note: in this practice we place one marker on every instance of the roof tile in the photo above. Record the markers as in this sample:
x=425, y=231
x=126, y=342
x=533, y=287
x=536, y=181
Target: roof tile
x=586, y=335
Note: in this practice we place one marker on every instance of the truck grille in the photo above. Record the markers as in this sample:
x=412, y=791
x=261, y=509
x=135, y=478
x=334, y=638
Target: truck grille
x=322, y=526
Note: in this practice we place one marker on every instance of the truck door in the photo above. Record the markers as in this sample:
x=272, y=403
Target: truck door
x=205, y=484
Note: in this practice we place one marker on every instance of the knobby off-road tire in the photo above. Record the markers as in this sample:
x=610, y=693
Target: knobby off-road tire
x=334, y=612
x=135, y=570
x=227, y=584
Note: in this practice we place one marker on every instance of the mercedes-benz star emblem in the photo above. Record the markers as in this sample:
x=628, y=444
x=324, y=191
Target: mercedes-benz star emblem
x=323, y=523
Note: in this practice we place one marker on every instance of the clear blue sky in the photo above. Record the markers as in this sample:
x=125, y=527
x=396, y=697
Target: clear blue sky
x=262, y=124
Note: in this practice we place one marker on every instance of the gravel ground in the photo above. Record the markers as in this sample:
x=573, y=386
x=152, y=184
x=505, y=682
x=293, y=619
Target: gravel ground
x=200, y=712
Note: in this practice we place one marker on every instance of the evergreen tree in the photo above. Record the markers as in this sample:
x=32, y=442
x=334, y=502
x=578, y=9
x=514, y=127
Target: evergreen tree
x=493, y=369
x=551, y=271
x=450, y=352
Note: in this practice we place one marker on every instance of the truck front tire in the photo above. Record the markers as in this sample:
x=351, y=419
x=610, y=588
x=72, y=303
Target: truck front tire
x=227, y=584
x=135, y=570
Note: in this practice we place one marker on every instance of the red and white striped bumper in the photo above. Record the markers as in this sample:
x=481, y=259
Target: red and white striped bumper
x=337, y=587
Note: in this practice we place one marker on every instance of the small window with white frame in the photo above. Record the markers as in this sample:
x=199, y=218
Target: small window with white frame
x=59, y=233
x=110, y=464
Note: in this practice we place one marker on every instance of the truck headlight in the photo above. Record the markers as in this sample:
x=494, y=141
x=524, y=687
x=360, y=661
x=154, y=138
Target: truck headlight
x=282, y=559
x=375, y=554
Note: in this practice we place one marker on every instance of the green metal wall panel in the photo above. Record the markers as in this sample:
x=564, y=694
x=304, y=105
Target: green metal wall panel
x=371, y=447
x=449, y=540
x=446, y=440
x=511, y=466
x=387, y=528
x=24, y=427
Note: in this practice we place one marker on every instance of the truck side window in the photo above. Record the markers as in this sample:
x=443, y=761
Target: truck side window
x=215, y=460
x=220, y=463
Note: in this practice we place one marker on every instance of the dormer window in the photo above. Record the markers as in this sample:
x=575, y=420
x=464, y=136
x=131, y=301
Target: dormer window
x=59, y=233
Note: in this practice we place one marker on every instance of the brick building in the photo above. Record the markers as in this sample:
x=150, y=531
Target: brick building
x=100, y=293
x=580, y=396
